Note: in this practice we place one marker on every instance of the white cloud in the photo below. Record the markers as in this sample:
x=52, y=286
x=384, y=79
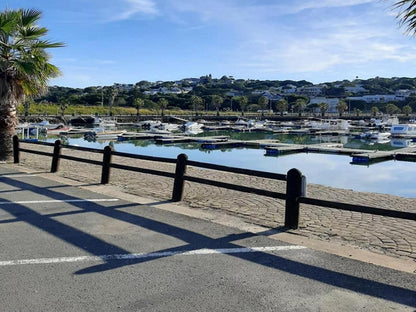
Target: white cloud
x=134, y=7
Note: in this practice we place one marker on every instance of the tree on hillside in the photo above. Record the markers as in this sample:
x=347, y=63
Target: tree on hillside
x=282, y=106
x=392, y=109
x=242, y=101
x=138, y=103
x=323, y=107
x=217, y=100
x=263, y=102
x=196, y=102
x=341, y=107
x=300, y=106
x=407, y=110
x=24, y=67
x=163, y=104
x=112, y=93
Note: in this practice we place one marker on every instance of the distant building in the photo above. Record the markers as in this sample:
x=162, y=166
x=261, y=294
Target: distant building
x=357, y=89
x=376, y=98
x=310, y=91
x=332, y=103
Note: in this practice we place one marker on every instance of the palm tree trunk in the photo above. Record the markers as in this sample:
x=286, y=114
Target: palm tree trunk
x=8, y=122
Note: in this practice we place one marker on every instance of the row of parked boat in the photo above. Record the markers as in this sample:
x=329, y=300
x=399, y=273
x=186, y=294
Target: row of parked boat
x=375, y=129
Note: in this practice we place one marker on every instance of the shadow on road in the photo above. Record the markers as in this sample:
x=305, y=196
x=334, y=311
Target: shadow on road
x=98, y=247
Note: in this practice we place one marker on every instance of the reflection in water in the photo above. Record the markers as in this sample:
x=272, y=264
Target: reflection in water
x=390, y=177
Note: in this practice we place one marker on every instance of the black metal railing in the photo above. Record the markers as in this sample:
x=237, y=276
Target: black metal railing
x=295, y=182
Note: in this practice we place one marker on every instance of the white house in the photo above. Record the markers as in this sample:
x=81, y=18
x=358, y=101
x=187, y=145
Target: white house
x=376, y=98
x=332, y=103
x=356, y=89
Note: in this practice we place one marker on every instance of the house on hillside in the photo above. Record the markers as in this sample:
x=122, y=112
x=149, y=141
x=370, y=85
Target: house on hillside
x=332, y=103
x=376, y=98
x=357, y=89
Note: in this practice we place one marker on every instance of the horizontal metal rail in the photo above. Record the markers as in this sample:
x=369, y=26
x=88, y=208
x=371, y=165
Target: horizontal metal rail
x=143, y=170
x=88, y=161
x=358, y=208
x=144, y=157
x=81, y=148
x=37, y=142
x=236, y=187
x=35, y=152
x=262, y=174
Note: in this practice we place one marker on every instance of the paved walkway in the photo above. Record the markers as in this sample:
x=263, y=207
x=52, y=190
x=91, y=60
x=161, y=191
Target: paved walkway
x=383, y=235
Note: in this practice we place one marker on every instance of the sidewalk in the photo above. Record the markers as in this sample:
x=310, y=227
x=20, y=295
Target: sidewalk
x=388, y=236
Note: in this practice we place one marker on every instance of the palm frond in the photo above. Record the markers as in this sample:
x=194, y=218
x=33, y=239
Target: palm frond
x=24, y=62
x=407, y=15
x=29, y=17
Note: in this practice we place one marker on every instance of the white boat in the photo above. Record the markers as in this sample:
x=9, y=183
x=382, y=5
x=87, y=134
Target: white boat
x=168, y=127
x=403, y=130
x=241, y=122
x=193, y=126
x=329, y=124
x=375, y=135
x=107, y=122
x=384, y=122
x=402, y=143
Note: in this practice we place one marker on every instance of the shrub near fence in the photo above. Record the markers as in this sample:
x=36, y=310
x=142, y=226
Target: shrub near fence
x=295, y=181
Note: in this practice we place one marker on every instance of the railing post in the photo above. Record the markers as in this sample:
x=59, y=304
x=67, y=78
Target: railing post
x=105, y=173
x=16, y=152
x=55, y=156
x=179, y=182
x=295, y=187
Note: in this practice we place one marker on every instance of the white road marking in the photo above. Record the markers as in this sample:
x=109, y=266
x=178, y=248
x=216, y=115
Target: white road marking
x=59, y=201
x=18, y=175
x=203, y=251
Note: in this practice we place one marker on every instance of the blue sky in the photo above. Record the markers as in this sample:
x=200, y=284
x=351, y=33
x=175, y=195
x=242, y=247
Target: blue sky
x=126, y=41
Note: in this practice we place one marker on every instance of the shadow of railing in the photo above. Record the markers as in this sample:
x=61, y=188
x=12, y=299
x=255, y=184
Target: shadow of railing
x=193, y=241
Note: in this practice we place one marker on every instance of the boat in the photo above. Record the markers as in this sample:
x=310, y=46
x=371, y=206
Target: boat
x=329, y=124
x=403, y=130
x=375, y=135
x=401, y=143
x=384, y=122
x=101, y=134
x=162, y=126
x=84, y=120
x=58, y=129
x=193, y=126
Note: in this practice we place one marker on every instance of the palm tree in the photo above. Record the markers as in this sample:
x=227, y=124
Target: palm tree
x=196, y=102
x=323, y=107
x=112, y=93
x=341, y=107
x=300, y=106
x=263, y=102
x=217, y=100
x=407, y=110
x=24, y=67
x=243, y=101
x=282, y=106
x=374, y=110
x=163, y=104
x=407, y=15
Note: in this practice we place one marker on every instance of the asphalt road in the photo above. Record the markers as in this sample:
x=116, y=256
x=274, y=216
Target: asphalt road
x=64, y=248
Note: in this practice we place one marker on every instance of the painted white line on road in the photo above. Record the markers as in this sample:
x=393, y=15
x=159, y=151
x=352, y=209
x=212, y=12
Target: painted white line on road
x=149, y=255
x=59, y=201
x=18, y=175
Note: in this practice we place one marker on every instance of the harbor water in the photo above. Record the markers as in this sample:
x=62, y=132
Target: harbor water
x=389, y=177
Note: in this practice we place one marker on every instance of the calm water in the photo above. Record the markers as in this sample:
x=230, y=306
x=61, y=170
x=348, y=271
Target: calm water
x=390, y=177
